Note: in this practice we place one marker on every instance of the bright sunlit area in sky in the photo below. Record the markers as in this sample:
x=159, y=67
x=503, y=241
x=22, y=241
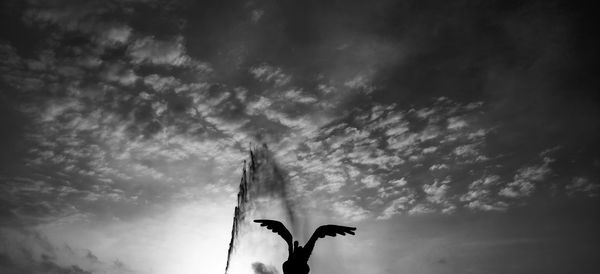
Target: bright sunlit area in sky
x=187, y=238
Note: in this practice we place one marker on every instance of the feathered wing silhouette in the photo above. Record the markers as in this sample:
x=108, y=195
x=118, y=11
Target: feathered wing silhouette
x=278, y=228
x=326, y=230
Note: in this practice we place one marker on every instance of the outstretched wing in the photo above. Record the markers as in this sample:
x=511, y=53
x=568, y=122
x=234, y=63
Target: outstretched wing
x=278, y=228
x=327, y=230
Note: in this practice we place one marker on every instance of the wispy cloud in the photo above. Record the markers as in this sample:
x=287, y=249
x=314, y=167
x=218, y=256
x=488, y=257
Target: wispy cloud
x=157, y=52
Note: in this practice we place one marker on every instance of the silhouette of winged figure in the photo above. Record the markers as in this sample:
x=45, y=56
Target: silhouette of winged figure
x=297, y=262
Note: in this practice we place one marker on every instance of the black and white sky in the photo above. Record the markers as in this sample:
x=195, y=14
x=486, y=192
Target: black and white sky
x=458, y=136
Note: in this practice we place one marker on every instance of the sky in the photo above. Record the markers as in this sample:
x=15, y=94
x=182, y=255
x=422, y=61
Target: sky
x=457, y=136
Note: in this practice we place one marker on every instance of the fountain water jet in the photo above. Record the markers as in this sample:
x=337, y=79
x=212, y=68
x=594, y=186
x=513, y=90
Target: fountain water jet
x=263, y=192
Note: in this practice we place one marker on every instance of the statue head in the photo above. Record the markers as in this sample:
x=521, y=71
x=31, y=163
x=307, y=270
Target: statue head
x=297, y=248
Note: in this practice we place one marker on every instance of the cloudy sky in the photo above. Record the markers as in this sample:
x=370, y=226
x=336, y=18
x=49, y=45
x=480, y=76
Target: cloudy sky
x=459, y=137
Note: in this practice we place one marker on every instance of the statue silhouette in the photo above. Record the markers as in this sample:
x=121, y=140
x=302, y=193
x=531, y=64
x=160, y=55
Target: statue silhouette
x=297, y=262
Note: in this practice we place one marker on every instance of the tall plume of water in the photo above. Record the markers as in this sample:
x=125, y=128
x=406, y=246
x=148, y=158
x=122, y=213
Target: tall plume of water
x=238, y=215
x=263, y=193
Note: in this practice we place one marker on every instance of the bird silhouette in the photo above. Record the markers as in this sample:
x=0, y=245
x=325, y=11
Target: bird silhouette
x=297, y=262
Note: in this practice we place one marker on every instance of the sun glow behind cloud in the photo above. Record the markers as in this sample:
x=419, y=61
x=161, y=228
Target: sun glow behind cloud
x=188, y=239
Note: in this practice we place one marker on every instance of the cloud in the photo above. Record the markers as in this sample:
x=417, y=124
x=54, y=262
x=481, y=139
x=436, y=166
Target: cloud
x=429, y=150
x=517, y=189
x=420, y=209
x=258, y=106
x=113, y=35
x=397, y=206
x=270, y=74
x=88, y=18
x=91, y=257
x=256, y=15
x=455, y=123
x=582, y=185
x=29, y=251
x=438, y=167
x=360, y=82
x=349, y=210
x=150, y=116
x=466, y=150
x=386, y=140
x=298, y=95
x=260, y=268
x=120, y=73
x=495, y=206
x=523, y=184
x=398, y=183
x=160, y=84
x=75, y=16
x=334, y=181
x=115, y=122
x=480, y=195
x=436, y=192
x=371, y=181
x=56, y=108
x=159, y=52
